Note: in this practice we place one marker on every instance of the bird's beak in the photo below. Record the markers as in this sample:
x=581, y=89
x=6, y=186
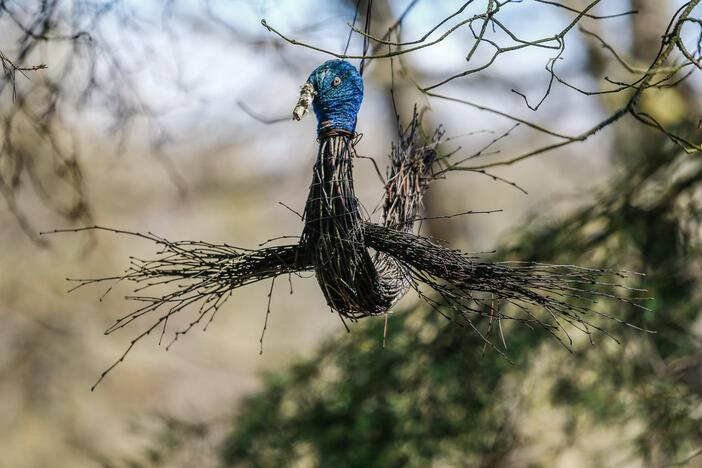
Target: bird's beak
x=307, y=94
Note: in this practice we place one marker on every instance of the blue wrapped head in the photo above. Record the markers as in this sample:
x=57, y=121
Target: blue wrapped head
x=337, y=88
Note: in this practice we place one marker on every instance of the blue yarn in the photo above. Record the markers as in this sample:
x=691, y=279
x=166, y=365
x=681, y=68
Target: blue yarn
x=336, y=107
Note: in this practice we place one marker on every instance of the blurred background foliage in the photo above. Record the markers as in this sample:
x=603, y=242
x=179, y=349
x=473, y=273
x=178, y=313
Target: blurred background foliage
x=137, y=123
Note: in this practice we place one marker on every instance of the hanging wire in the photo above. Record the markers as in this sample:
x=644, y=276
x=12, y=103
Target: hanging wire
x=355, y=17
x=366, y=36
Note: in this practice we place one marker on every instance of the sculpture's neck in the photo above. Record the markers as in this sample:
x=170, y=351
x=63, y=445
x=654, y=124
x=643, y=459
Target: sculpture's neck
x=332, y=198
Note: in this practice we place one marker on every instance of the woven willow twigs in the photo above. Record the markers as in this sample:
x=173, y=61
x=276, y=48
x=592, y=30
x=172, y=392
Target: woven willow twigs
x=469, y=287
x=197, y=278
x=189, y=277
x=355, y=284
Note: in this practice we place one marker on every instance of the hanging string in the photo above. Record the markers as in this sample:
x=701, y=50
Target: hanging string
x=355, y=16
x=367, y=31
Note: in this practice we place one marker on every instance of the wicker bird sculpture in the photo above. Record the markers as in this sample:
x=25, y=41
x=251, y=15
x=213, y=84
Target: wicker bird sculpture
x=354, y=283
x=362, y=267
